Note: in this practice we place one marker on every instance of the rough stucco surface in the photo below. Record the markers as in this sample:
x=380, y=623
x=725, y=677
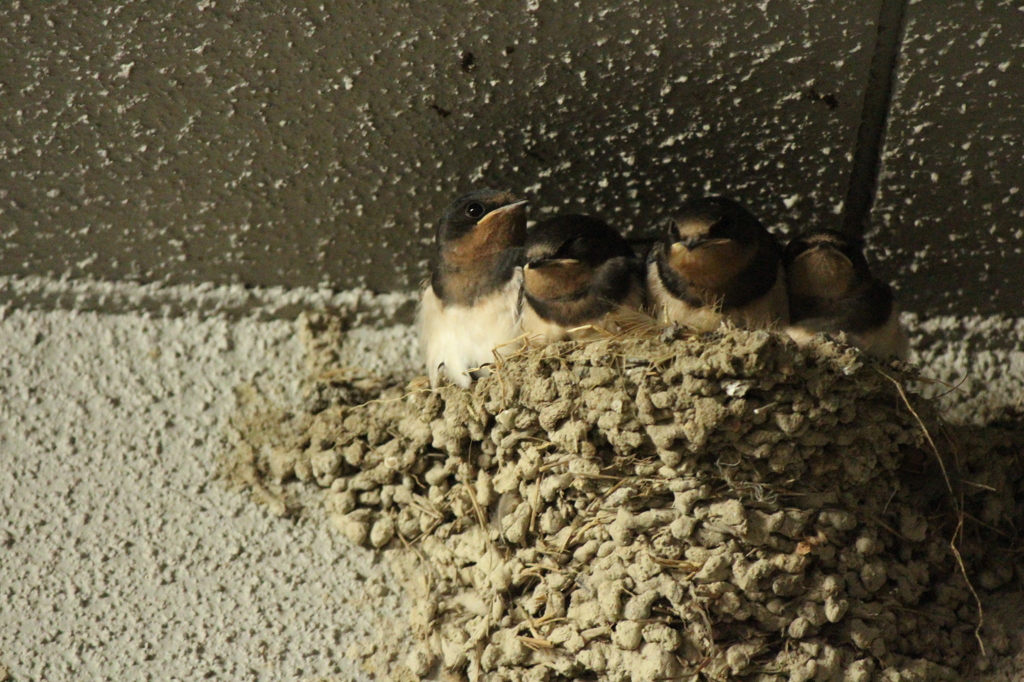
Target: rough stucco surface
x=121, y=556
x=950, y=208
x=298, y=144
x=280, y=145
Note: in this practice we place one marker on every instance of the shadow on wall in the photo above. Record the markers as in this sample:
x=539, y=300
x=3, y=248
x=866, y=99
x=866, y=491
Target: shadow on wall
x=277, y=145
x=300, y=144
x=950, y=202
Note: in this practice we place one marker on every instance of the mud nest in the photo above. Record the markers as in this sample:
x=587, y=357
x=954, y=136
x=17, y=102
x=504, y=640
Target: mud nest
x=672, y=507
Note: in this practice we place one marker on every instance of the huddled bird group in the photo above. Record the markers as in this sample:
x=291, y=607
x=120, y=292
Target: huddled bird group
x=497, y=285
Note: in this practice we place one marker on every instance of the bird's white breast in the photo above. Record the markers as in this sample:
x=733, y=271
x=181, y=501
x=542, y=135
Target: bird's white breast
x=626, y=316
x=769, y=311
x=890, y=339
x=540, y=331
x=670, y=309
x=461, y=338
x=887, y=340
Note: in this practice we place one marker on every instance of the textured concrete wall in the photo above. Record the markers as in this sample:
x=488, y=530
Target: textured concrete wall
x=950, y=208
x=284, y=143
x=301, y=144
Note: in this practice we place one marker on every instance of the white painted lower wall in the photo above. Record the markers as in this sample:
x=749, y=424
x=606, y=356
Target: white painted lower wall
x=123, y=557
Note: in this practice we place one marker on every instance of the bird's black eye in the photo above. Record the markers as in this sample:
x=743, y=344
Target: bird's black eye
x=475, y=209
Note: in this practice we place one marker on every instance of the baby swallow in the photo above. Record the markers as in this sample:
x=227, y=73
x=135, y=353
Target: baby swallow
x=581, y=277
x=471, y=306
x=832, y=290
x=717, y=262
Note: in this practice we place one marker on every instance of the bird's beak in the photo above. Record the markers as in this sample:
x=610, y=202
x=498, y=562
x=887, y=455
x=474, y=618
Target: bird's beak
x=550, y=279
x=505, y=212
x=541, y=263
x=505, y=225
x=692, y=243
x=688, y=244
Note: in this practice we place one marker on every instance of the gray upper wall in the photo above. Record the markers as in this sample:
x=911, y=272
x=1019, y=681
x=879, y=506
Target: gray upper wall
x=300, y=143
x=950, y=206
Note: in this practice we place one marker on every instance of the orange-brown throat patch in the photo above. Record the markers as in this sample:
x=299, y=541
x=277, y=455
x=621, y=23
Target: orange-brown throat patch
x=713, y=265
x=557, y=280
x=498, y=230
x=821, y=272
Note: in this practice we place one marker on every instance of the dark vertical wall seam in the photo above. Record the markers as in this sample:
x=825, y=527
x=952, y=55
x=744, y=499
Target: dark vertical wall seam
x=867, y=155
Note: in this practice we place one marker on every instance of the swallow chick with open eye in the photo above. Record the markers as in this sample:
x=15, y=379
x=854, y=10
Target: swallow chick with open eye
x=581, y=279
x=717, y=263
x=832, y=290
x=470, y=308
